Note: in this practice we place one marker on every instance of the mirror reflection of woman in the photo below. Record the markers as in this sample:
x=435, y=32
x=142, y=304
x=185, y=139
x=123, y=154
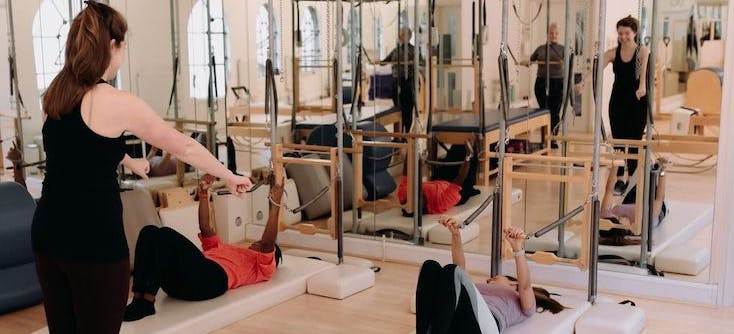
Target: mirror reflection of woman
x=553, y=70
x=628, y=103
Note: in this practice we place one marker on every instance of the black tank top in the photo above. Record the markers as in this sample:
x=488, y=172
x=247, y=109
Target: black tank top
x=625, y=74
x=79, y=215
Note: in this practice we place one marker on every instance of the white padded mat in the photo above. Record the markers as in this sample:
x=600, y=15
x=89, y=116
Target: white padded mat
x=561, y=323
x=393, y=219
x=549, y=242
x=683, y=222
x=611, y=318
x=182, y=317
x=184, y=220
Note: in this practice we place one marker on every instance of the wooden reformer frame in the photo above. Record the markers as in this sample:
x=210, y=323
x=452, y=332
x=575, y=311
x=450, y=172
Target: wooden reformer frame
x=660, y=143
x=359, y=143
x=541, y=122
x=547, y=258
x=279, y=162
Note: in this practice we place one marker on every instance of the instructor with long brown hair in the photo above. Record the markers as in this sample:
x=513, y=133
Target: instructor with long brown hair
x=78, y=237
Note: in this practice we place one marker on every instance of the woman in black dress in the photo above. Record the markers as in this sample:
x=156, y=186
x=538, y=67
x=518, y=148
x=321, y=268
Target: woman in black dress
x=78, y=238
x=628, y=103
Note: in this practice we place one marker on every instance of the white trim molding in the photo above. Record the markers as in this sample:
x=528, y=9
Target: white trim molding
x=722, y=268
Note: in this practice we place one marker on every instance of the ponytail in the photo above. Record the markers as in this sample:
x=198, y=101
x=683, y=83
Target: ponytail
x=543, y=299
x=87, y=57
x=545, y=302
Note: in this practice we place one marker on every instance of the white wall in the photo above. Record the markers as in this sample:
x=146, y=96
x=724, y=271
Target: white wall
x=147, y=70
x=23, y=14
x=722, y=269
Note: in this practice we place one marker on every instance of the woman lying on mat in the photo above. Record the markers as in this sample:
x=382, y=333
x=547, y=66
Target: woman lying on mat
x=438, y=196
x=166, y=259
x=161, y=165
x=446, y=297
x=625, y=213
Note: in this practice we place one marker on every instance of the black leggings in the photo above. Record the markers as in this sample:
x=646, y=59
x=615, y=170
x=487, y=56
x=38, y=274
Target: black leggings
x=83, y=298
x=437, y=308
x=166, y=259
x=554, y=101
x=404, y=99
x=627, y=119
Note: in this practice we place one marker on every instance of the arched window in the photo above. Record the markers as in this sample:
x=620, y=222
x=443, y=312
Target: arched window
x=200, y=52
x=310, y=38
x=50, y=28
x=262, y=34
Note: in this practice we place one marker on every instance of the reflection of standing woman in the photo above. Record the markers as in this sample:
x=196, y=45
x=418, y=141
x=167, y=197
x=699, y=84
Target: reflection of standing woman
x=628, y=103
x=554, y=97
x=77, y=233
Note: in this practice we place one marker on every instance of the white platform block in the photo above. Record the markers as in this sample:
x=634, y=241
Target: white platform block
x=366, y=218
x=561, y=323
x=341, y=282
x=329, y=257
x=232, y=213
x=442, y=236
x=611, y=318
x=184, y=220
x=183, y=317
x=684, y=259
x=260, y=211
x=549, y=243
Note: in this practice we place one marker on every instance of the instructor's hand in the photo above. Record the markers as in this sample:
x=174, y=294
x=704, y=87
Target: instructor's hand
x=139, y=166
x=640, y=93
x=238, y=185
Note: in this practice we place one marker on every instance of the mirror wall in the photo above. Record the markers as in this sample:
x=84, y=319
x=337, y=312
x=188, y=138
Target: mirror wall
x=221, y=47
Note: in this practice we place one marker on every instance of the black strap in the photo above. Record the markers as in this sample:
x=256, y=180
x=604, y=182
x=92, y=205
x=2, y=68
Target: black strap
x=14, y=82
x=175, y=82
x=627, y=301
x=615, y=259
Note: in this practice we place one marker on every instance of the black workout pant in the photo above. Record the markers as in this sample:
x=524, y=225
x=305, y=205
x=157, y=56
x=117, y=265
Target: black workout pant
x=554, y=100
x=166, y=259
x=83, y=298
x=404, y=99
x=437, y=311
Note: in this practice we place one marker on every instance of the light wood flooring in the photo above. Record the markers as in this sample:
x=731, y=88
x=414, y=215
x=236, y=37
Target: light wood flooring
x=385, y=309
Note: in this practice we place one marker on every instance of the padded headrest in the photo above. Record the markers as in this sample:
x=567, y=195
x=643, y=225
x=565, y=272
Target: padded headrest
x=17, y=208
x=718, y=72
x=325, y=135
x=376, y=159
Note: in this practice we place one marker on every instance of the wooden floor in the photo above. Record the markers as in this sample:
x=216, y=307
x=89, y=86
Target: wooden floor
x=385, y=309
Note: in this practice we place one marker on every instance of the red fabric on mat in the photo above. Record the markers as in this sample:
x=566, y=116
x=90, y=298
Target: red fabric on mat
x=440, y=195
